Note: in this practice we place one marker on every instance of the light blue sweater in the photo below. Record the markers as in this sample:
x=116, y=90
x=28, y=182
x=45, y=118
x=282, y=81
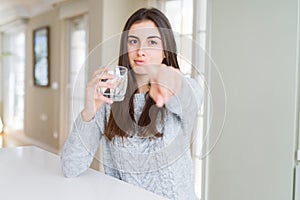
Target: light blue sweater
x=162, y=165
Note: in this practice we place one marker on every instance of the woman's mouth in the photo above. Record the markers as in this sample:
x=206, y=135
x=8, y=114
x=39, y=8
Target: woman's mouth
x=139, y=62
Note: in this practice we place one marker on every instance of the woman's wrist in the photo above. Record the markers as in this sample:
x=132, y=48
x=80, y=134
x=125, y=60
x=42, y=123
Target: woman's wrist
x=87, y=116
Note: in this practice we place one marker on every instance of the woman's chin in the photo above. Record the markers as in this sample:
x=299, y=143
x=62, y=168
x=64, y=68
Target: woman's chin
x=140, y=70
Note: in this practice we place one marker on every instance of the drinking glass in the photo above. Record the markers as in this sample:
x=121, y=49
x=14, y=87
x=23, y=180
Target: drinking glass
x=120, y=81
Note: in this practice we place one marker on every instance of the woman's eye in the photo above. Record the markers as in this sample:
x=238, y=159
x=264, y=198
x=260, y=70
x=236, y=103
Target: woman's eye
x=133, y=41
x=153, y=43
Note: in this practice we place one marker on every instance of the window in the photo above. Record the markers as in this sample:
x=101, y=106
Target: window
x=76, y=73
x=188, y=20
x=180, y=14
x=13, y=68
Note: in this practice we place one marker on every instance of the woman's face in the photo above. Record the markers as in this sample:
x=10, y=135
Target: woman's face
x=144, y=45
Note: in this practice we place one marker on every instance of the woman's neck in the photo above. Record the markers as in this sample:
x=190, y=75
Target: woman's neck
x=143, y=89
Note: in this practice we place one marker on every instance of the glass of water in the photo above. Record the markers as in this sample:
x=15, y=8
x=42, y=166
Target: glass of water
x=120, y=81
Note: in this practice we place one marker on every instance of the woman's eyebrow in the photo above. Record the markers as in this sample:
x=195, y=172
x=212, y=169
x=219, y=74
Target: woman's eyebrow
x=150, y=37
x=132, y=36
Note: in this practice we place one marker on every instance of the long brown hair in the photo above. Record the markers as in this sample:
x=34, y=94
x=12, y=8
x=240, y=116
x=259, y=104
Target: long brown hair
x=121, y=120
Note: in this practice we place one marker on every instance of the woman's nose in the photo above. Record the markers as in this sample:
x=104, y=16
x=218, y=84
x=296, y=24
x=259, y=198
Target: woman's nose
x=142, y=48
x=141, y=51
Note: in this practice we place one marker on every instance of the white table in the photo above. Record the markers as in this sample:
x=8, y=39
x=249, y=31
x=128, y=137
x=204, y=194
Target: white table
x=32, y=173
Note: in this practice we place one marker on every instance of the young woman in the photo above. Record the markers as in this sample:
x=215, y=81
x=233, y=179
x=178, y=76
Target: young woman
x=146, y=137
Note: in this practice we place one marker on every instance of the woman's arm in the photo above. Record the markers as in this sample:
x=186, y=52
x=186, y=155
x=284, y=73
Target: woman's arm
x=182, y=96
x=82, y=143
x=187, y=102
x=189, y=97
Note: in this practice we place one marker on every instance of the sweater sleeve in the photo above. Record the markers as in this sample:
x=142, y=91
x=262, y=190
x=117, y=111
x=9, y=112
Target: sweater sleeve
x=187, y=103
x=81, y=145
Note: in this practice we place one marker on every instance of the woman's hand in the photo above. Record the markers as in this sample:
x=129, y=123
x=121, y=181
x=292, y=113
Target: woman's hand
x=165, y=82
x=93, y=98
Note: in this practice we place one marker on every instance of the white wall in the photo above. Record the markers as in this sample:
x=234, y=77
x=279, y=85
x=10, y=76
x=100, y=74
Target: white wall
x=254, y=45
x=41, y=120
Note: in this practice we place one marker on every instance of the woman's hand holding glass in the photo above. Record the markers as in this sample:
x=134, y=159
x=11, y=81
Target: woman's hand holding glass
x=94, y=99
